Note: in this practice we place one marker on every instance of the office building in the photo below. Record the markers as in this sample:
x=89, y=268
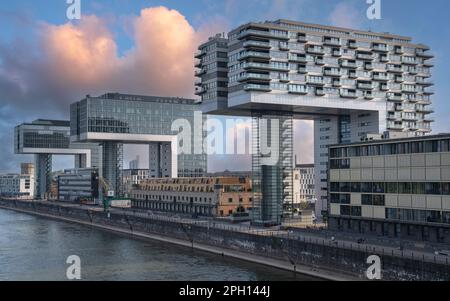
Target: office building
x=134, y=164
x=114, y=119
x=44, y=138
x=350, y=82
x=78, y=184
x=202, y=196
x=304, y=191
x=396, y=187
x=15, y=185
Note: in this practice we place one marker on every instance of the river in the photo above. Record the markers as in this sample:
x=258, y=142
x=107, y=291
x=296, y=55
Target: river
x=36, y=248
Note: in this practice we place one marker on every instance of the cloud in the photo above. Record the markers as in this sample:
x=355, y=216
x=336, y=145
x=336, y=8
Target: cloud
x=346, y=15
x=40, y=76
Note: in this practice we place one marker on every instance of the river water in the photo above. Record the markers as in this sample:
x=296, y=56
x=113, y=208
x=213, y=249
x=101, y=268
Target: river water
x=35, y=248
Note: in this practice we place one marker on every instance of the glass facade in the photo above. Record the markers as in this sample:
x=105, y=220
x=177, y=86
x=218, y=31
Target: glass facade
x=145, y=115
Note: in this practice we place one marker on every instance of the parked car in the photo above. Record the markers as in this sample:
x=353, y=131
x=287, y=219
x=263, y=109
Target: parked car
x=443, y=253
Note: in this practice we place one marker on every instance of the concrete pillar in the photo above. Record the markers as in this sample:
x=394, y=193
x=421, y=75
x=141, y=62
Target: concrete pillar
x=112, y=165
x=43, y=174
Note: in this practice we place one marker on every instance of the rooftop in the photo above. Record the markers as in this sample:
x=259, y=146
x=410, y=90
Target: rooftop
x=132, y=97
x=395, y=140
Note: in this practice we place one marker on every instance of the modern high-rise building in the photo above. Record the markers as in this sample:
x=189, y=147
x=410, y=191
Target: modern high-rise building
x=44, y=138
x=393, y=187
x=304, y=179
x=350, y=82
x=115, y=119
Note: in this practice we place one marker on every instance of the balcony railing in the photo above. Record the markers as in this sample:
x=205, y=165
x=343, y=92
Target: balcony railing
x=256, y=87
x=248, y=54
x=257, y=44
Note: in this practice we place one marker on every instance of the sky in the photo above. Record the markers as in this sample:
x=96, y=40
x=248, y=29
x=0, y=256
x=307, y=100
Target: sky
x=146, y=47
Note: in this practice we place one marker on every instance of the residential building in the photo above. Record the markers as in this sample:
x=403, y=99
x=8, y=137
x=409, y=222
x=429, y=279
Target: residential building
x=115, y=119
x=394, y=187
x=349, y=82
x=78, y=184
x=17, y=185
x=132, y=177
x=202, y=196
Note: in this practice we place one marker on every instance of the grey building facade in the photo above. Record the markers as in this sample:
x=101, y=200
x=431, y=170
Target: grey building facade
x=349, y=82
x=114, y=119
x=396, y=187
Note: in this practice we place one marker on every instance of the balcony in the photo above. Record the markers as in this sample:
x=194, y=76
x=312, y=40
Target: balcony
x=381, y=77
x=297, y=58
x=198, y=64
x=336, y=83
x=200, y=90
x=302, y=70
x=315, y=50
x=365, y=56
x=423, y=82
x=331, y=41
x=336, y=53
x=298, y=89
x=320, y=92
x=198, y=82
x=394, y=126
x=380, y=47
x=256, y=87
x=200, y=72
x=368, y=95
x=284, y=46
x=254, y=54
x=395, y=97
x=257, y=45
x=423, y=53
x=332, y=72
x=409, y=60
x=394, y=68
x=365, y=86
x=301, y=38
x=262, y=33
x=348, y=64
x=199, y=54
x=315, y=81
x=424, y=109
x=398, y=50
x=255, y=77
x=348, y=93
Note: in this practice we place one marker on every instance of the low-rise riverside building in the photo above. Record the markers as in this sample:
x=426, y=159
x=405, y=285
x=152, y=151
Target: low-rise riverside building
x=215, y=196
x=17, y=185
x=396, y=187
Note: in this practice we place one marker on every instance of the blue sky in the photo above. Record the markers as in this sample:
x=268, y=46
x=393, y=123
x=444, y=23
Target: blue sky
x=21, y=42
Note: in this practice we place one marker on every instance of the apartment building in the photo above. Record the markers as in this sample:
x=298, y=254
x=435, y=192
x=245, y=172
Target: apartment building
x=131, y=177
x=220, y=196
x=17, y=185
x=212, y=73
x=350, y=82
x=395, y=187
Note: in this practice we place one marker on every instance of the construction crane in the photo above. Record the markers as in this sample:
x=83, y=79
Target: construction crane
x=108, y=193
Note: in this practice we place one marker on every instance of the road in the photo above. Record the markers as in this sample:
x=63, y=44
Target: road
x=372, y=245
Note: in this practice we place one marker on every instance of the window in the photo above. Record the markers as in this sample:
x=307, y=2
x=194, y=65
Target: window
x=230, y=200
x=366, y=199
x=391, y=188
x=378, y=200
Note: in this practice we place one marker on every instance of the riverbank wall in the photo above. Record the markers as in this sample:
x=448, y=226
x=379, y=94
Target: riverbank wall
x=322, y=260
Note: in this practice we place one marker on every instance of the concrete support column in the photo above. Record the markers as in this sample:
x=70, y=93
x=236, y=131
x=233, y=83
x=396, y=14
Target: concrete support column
x=112, y=165
x=272, y=165
x=43, y=174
